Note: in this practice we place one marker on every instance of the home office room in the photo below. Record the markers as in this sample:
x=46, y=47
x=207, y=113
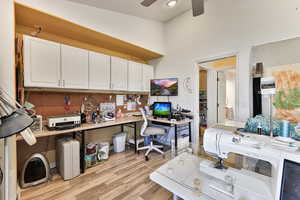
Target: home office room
x=149, y=100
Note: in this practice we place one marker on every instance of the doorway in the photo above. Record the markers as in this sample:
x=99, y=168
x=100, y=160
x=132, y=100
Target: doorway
x=217, y=91
x=225, y=95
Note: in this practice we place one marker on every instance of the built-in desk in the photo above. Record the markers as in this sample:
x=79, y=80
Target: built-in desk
x=129, y=121
x=86, y=127
x=175, y=123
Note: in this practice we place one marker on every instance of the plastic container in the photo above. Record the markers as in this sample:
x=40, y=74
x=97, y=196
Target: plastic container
x=68, y=158
x=285, y=129
x=103, y=151
x=119, y=141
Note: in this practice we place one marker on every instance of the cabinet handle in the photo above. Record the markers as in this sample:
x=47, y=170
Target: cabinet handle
x=64, y=83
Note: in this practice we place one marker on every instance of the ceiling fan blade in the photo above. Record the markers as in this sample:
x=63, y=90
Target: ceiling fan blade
x=198, y=7
x=148, y=3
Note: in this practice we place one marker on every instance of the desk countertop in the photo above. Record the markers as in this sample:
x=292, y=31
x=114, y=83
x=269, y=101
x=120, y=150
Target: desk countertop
x=85, y=127
x=164, y=120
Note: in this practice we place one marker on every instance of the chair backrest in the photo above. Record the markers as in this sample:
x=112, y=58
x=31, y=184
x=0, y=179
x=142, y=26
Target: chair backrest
x=144, y=126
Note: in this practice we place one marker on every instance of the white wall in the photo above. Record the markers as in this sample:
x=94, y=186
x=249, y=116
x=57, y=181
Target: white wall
x=142, y=32
x=280, y=53
x=227, y=26
x=7, y=83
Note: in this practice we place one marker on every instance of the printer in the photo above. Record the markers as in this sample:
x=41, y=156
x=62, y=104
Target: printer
x=63, y=122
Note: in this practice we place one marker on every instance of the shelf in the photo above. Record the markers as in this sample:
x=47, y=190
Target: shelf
x=58, y=90
x=62, y=31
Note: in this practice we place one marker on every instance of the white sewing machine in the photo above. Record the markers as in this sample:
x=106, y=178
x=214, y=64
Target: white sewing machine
x=230, y=183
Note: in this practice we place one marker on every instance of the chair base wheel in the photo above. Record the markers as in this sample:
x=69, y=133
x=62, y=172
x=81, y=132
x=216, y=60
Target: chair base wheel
x=146, y=158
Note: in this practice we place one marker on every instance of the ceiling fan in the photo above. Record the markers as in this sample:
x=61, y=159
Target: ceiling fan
x=197, y=6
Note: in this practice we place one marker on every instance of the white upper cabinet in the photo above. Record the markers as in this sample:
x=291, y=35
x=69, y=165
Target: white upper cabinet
x=75, y=67
x=41, y=63
x=51, y=65
x=135, y=76
x=99, y=71
x=119, y=74
x=148, y=74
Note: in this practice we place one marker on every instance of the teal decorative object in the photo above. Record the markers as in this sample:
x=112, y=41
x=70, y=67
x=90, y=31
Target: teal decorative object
x=253, y=122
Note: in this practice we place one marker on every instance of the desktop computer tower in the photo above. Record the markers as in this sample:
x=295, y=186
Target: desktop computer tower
x=68, y=158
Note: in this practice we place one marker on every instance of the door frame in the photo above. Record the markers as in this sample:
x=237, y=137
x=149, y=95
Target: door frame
x=197, y=79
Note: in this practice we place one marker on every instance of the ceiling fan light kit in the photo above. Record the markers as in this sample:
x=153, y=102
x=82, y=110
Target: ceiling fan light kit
x=197, y=5
x=171, y=3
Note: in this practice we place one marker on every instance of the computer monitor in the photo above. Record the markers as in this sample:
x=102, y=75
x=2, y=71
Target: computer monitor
x=162, y=109
x=290, y=184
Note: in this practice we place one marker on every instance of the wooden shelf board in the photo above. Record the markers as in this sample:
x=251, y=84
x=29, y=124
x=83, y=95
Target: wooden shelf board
x=82, y=91
x=55, y=38
x=29, y=18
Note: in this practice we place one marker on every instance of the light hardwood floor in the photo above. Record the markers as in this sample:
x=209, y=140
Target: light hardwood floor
x=124, y=177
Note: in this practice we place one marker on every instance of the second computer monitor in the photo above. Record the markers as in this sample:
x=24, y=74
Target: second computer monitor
x=162, y=109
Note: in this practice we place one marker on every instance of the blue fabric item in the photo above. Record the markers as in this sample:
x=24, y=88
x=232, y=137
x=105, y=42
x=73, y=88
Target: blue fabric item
x=252, y=124
x=147, y=140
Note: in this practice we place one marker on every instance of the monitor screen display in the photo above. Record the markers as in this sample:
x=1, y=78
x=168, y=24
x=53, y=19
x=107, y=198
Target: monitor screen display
x=290, y=185
x=162, y=109
x=164, y=87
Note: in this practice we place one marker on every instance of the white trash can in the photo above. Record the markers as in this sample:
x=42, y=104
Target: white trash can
x=119, y=141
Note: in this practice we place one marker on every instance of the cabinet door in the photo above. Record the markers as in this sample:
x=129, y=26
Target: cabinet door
x=135, y=76
x=148, y=74
x=41, y=63
x=99, y=71
x=119, y=72
x=75, y=67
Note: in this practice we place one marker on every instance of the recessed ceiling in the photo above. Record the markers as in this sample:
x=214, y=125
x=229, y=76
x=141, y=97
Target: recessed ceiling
x=158, y=11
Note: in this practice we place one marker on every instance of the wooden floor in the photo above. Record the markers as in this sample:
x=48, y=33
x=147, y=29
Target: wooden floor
x=124, y=177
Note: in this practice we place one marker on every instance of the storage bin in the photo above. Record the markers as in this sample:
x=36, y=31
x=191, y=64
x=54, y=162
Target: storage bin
x=119, y=141
x=103, y=151
x=68, y=158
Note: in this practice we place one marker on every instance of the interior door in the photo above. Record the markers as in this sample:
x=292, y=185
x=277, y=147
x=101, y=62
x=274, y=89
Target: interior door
x=148, y=74
x=212, y=110
x=75, y=67
x=41, y=63
x=221, y=97
x=99, y=71
x=119, y=74
x=135, y=76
